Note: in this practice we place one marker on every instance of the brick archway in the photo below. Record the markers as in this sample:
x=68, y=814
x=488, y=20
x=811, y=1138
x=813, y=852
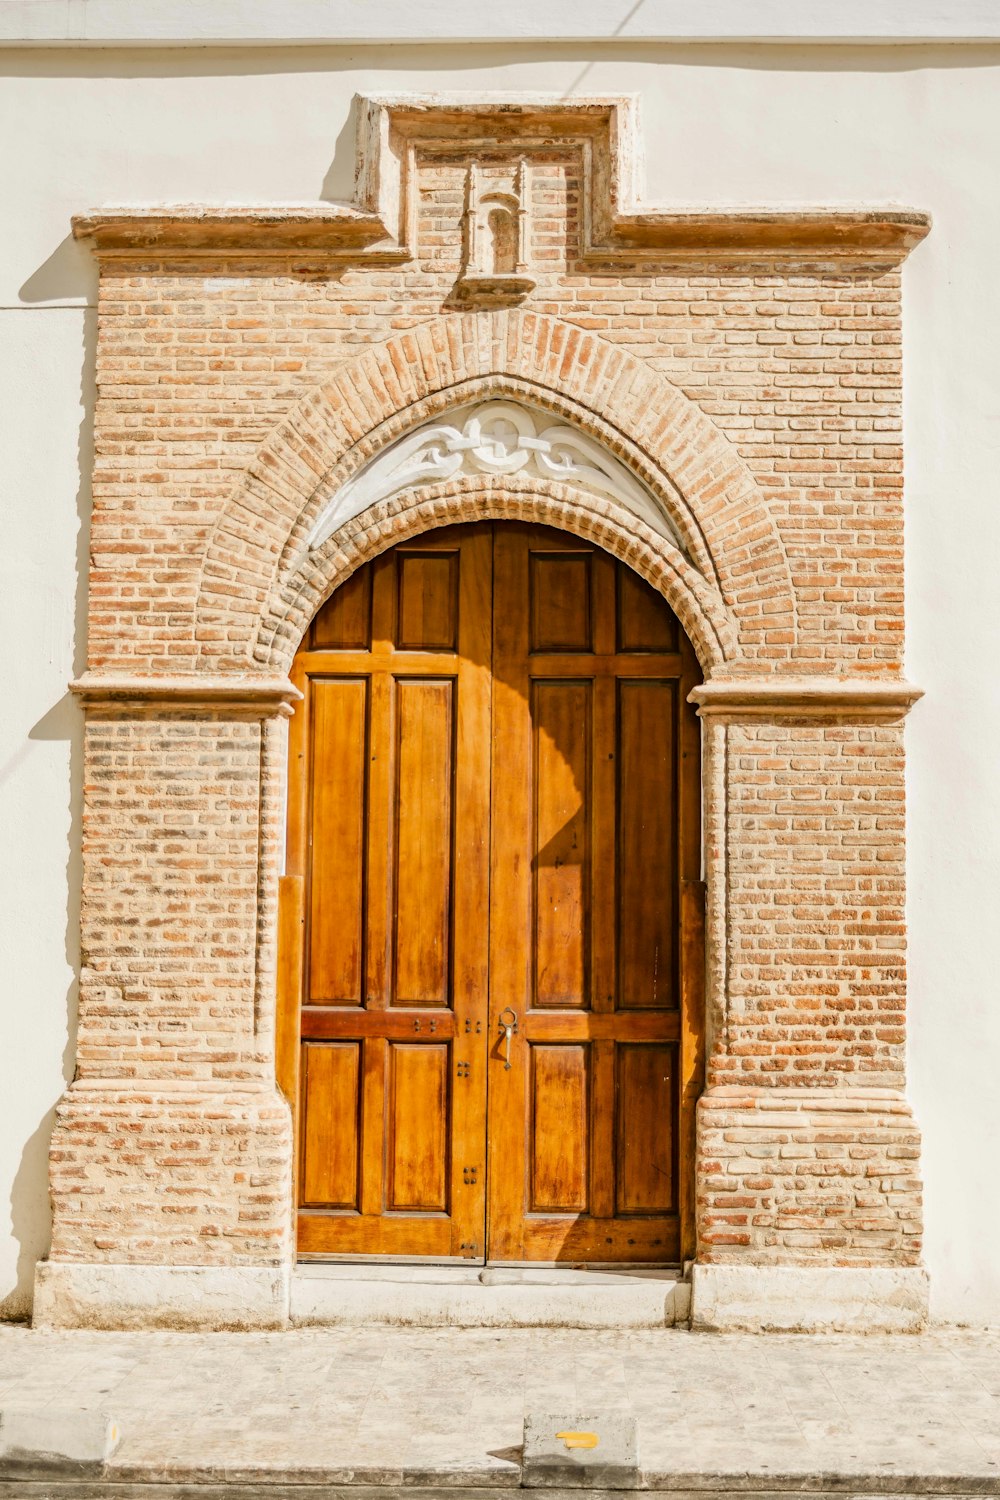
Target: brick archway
x=696, y=474
x=709, y=625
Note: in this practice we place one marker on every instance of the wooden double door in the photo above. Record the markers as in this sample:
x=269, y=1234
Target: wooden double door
x=490, y=947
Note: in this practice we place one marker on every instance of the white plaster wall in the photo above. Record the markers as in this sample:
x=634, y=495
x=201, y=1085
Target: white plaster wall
x=44, y=433
x=905, y=124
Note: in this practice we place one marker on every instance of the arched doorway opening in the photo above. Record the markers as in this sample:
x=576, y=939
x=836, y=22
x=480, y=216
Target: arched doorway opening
x=491, y=1006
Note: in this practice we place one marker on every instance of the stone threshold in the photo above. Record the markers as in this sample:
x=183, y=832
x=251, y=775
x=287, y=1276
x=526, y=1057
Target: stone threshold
x=339, y=1294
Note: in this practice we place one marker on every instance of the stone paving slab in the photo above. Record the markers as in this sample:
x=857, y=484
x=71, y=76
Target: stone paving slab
x=347, y=1410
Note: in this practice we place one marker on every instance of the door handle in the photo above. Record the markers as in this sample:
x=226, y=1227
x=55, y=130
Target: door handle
x=508, y=1028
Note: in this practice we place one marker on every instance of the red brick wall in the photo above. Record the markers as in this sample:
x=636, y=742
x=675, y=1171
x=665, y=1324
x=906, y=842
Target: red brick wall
x=761, y=401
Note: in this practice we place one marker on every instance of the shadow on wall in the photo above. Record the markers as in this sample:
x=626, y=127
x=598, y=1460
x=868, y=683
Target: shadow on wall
x=338, y=181
x=69, y=272
x=402, y=67
x=30, y=1209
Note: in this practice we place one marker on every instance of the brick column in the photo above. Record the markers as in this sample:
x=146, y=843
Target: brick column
x=171, y=1157
x=809, y=1206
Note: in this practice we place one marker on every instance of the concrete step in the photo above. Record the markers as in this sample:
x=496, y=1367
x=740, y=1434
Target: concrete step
x=423, y=1296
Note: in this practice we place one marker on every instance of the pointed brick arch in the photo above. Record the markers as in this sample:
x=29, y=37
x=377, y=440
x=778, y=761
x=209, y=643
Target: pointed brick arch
x=712, y=499
x=510, y=498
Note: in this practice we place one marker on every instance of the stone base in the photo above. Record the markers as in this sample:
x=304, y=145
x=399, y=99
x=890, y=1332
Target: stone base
x=492, y=1297
x=808, y=1299
x=720, y=1298
x=72, y=1294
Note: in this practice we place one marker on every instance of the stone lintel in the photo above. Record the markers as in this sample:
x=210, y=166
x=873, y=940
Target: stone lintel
x=259, y=696
x=805, y=697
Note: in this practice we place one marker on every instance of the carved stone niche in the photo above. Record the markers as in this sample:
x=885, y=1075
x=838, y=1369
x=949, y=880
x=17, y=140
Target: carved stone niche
x=496, y=235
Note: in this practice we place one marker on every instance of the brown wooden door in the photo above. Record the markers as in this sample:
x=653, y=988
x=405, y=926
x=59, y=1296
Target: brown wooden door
x=494, y=818
x=595, y=767
x=389, y=825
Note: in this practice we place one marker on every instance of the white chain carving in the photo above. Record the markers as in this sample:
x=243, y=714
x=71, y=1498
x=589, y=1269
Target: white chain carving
x=497, y=437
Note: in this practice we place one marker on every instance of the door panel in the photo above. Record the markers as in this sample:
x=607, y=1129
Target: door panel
x=388, y=825
x=427, y=585
x=423, y=796
x=644, y=1128
x=337, y=835
x=494, y=810
x=590, y=680
x=417, y=1120
x=560, y=585
x=561, y=844
x=647, y=850
x=345, y=621
x=331, y=1098
x=559, y=1131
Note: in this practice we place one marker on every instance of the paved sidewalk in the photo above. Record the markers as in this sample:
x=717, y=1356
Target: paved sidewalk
x=389, y=1407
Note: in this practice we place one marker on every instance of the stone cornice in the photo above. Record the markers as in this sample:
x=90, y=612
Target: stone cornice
x=615, y=225
x=261, y=696
x=333, y=229
x=850, y=233
x=337, y=231
x=805, y=697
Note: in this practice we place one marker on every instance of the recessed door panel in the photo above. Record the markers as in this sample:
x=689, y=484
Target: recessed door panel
x=424, y=805
x=644, y=1128
x=644, y=624
x=559, y=1129
x=559, y=600
x=337, y=883
x=345, y=621
x=647, y=854
x=561, y=846
x=331, y=1099
x=427, y=600
x=417, y=1154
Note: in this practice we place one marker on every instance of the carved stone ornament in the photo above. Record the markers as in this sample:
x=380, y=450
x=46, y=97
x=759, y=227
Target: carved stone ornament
x=496, y=236
x=495, y=437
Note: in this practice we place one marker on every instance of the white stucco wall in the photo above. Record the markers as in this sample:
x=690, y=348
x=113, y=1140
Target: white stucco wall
x=917, y=125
